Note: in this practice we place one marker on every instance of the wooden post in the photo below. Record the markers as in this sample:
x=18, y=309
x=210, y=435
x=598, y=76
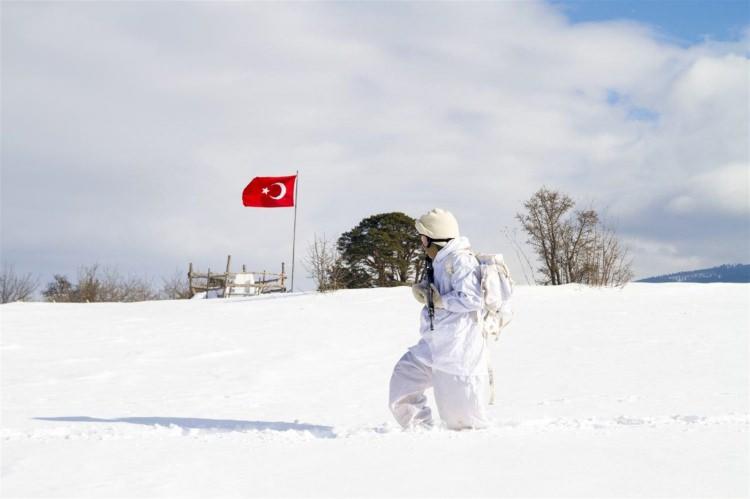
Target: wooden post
x=227, y=289
x=190, y=279
x=283, y=276
x=208, y=280
x=243, y=268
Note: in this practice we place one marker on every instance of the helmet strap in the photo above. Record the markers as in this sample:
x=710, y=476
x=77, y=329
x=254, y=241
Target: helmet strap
x=439, y=240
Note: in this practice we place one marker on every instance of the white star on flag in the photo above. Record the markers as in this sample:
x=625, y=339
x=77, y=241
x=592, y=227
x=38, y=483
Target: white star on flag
x=264, y=190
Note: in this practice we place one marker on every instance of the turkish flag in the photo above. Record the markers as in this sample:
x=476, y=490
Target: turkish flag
x=269, y=192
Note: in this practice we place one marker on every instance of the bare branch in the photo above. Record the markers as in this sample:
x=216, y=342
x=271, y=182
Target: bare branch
x=14, y=287
x=578, y=248
x=323, y=262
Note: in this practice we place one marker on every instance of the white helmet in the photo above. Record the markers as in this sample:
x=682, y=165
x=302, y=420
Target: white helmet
x=438, y=224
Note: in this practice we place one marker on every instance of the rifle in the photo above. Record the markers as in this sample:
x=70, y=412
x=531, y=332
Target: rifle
x=430, y=281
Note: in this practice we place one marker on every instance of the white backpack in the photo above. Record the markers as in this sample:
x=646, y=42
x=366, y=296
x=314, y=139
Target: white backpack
x=497, y=291
x=497, y=312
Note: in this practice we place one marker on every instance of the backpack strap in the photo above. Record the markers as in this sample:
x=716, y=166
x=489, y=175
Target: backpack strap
x=491, y=373
x=449, y=264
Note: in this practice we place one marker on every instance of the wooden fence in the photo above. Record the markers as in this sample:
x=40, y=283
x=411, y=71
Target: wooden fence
x=228, y=283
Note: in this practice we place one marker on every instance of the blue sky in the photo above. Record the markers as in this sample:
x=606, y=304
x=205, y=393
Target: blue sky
x=131, y=128
x=684, y=21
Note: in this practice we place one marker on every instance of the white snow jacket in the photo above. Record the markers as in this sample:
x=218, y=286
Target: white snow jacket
x=456, y=345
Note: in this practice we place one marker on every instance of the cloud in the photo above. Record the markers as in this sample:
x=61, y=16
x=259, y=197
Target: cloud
x=663, y=258
x=131, y=129
x=726, y=190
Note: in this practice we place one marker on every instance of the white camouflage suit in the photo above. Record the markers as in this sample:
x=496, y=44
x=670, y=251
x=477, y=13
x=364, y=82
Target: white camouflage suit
x=452, y=358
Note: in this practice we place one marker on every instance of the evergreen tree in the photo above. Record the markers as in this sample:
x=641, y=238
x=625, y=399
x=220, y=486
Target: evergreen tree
x=382, y=250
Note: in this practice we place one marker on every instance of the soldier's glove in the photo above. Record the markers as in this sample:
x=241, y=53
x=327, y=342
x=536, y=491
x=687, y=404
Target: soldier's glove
x=420, y=293
x=437, y=300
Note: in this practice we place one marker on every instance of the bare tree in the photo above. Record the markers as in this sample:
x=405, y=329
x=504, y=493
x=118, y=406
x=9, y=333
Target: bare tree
x=89, y=284
x=324, y=264
x=138, y=289
x=573, y=248
x=96, y=284
x=606, y=262
x=113, y=287
x=511, y=235
x=544, y=223
x=60, y=290
x=175, y=287
x=14, y=287
x=578, y=238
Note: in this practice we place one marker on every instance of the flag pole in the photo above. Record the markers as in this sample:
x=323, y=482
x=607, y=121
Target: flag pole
x=294, y=236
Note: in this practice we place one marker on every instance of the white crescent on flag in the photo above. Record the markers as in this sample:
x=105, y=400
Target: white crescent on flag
x=282, y=193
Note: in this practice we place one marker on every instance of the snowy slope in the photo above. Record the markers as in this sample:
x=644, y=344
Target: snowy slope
x=641, y=391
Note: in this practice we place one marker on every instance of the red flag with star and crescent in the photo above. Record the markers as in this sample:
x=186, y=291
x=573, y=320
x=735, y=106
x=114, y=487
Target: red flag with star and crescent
x=269, y=192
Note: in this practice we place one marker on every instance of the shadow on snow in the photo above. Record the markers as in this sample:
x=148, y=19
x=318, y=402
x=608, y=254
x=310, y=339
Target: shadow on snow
x=222, y=425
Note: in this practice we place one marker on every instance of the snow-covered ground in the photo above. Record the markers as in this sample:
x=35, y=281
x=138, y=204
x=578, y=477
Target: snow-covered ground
x=641, y=391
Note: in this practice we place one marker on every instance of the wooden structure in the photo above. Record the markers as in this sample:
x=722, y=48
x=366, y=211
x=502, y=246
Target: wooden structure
x=228, y=283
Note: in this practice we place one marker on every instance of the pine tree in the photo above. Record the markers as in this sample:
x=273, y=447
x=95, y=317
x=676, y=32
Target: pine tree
x=382, y=250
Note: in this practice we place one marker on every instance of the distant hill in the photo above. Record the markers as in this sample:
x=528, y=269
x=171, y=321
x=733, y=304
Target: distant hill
x=737, y=272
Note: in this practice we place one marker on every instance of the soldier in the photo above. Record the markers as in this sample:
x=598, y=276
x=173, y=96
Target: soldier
x=450, y=357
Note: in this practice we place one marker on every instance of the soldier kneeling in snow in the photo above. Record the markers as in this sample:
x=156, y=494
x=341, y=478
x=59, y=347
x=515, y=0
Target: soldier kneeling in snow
x=451, y=356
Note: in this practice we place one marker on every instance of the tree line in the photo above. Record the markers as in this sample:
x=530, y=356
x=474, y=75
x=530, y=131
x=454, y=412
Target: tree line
x=93, y=283
x=570, y=245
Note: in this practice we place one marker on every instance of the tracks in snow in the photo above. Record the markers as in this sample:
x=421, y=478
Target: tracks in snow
x=86, y=428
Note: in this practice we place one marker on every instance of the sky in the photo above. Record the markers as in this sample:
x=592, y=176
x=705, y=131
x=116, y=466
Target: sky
x=684, y=22
x=129, y=129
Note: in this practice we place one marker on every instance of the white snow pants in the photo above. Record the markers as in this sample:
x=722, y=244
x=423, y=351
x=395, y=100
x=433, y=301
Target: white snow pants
x=461, y=400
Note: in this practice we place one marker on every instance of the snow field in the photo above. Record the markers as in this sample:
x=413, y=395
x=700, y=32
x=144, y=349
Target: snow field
x=641, y=391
